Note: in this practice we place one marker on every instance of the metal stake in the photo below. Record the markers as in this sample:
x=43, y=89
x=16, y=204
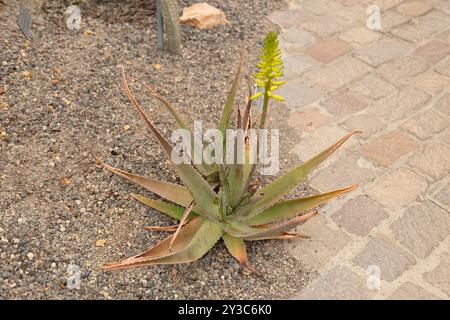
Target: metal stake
x=159, y=26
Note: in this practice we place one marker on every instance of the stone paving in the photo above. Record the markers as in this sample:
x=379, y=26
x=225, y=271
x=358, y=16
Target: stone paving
x=394, y=85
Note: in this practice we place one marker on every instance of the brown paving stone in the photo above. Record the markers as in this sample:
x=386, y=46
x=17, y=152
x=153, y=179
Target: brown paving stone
x=324, y=244
x=346, y=67
x=360, y=215
x=360, y=36
x=443, y=104
x=308, y=119
x=338, y=283
x=434, y=160
x=388, y=148
x=366, y=124
x=431, y=82
x=406, y=101
x=427, y=124
x=443, y=67
x=328, y=50
x=414, y=8
x=421, y=228
x=383, y=51
x=401, y=69
x=389, y=257
x=410, y=291
x=341, y=173
x=440, y=276
x=423, y=27
x=343, y=104
x=432, y=52
x=397, y=189
x=373, y=87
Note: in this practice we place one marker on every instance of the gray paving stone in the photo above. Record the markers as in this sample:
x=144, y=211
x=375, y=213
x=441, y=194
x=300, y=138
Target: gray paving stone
x=339, y=283
x=348, y=69
x=360, y=216
x=410, y=291
x=342, y=172
x=385, y=254
x=299, y=93
x=423, y=27
x=440, y=276
x=324, y=244
x=397, y=189
x=382, y=51
x=421, y=228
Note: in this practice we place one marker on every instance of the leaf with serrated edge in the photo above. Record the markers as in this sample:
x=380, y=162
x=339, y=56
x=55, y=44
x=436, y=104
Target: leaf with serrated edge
x=171, y=210
x=201, y=191
x=281, y=236
x=193, y=246
x=229, y=104
x=271, y=193
x=167, y=190
x=236, y=246
x=205, y=169
x=292, y=207
x=241, y=230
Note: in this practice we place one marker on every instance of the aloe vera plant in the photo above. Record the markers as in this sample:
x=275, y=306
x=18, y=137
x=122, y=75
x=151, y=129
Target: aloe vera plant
x=220, y=201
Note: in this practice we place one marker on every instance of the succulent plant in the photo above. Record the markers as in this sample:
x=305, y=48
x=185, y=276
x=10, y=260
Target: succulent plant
x=220, y=201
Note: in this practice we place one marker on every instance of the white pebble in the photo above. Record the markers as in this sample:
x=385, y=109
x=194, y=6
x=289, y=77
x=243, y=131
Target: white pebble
x=30, y=255
x=62, y=229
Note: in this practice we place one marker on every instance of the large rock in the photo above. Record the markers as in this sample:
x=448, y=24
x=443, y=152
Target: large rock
x=203, y=16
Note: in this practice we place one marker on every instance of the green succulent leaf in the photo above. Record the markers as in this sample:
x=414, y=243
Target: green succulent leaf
x=236, y=246
x=241, y=230
x=193, y=242
x=204, y=169
x=229, y=104
x=271, y=193
x=167, y=190
x=171, y=210
x=201, y=191
x=292, y=207
x=237, y=212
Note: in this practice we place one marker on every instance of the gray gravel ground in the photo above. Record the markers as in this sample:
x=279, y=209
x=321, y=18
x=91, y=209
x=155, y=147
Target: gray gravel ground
x=63, y=99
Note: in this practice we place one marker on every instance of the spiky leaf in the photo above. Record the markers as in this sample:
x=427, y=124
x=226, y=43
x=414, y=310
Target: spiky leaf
x=271, y=193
